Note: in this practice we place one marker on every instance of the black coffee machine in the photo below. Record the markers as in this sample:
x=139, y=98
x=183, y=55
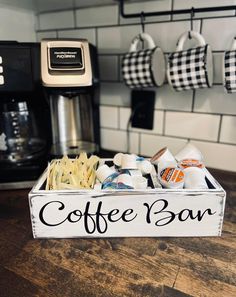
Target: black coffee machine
x=24, y=116
x=69, y=72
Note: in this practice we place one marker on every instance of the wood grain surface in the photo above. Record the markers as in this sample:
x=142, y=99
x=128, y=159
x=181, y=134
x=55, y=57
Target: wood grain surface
x=132, y=267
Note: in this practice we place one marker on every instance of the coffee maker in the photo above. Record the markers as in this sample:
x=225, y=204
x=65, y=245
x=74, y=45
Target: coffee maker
x=69, y=71
x=24, y=115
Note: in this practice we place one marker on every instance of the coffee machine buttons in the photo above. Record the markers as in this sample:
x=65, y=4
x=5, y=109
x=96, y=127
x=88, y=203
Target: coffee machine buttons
x=1, y=80
x=66, y=58
x=0, y=59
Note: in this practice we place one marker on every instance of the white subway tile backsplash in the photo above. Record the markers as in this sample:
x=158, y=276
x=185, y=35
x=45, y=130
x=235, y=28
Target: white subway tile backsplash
x=56, y=20
x=228, y=129
x=168, y=99
x=217, y=67
x=108, y=66
x=99, y=16
x=157, y=121
x=116, y=140
x=166, y=35
x=192, y=125
x=116, y=94
x=219, y=32
x=116, y=39
x=215, y=100
x=173, y=115
x=183, y=4
x=17, y=25
x=88, y=34
x=47, y=34
x=146, y=6
x=150, y=144
x=216, y=155
x=108, y=117
x=53, y=4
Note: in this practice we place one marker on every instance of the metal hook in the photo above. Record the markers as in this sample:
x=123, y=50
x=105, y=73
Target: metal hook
x=142, y=17
x=191, y=22
x=192, y=16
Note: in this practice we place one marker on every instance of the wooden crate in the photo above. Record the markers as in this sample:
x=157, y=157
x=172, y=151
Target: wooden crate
x=122, y=213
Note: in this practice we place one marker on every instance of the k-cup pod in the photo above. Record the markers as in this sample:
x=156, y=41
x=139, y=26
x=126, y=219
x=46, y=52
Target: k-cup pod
x=190, y=163
x=192, y=68
x=189, y=152
x=118, y=159
x=145, y=167
x=194, y=178
x=139, y=182
x=135, y=172
x=172, y=178
x=164, y=159
x=103, y=172
x=97, y=186
x=125, y=179
x=128, y=162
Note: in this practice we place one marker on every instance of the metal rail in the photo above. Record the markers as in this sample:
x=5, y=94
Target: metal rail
x=172, y=12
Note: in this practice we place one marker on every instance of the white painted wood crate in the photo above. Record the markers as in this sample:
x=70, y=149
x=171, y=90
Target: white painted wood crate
x=122, y=213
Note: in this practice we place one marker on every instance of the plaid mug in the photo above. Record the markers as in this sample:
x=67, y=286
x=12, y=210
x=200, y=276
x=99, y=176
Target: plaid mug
x=191, y=68
x=143, y=68
x=229, y=69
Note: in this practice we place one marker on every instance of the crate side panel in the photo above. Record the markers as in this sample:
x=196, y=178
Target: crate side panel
x=154, y=215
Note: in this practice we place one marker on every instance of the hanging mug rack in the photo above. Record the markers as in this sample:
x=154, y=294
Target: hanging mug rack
x=190, y=11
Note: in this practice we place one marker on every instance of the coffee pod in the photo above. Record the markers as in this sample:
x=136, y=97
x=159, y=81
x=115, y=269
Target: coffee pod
x=163, y=159
x=125, y=179
x=104, y=172
x=139, y=182
x=134, y=172
x=189, y=152
x=194, y=178
x=118, y=159
x=172, y=178
x=128, y=162
x=97, y=186
x=145, y=167
x=190, y=163
x=163, y=154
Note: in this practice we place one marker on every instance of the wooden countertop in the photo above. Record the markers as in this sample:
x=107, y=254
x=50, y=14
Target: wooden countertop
x=135, y=267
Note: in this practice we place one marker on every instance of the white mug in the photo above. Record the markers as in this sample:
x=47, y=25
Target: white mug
x=143, y=68
x=191, y=68
x=229, y=69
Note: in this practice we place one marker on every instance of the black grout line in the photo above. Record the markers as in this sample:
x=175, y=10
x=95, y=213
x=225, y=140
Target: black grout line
x=219, y=131
x=146, y=23
x=193, y=100
x=75, y=18
x=139, y=142
x=96, y=37
x=170, y=136
x=172, y=8
x=73, y=8
x=118, y=68
x=118, y=116
x=164, y=123
x=176, y=111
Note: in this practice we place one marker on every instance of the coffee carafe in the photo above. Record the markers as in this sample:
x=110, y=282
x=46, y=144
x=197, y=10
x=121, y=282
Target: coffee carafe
x=70, y=76
x=24, y=116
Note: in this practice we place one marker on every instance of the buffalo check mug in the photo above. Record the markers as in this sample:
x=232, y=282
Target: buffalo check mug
x=191, y=68
x=229, y=69
x=146, y=67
